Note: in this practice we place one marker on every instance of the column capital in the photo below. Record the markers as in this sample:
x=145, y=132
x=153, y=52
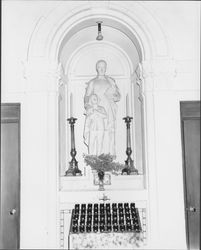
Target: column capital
x=144, y=78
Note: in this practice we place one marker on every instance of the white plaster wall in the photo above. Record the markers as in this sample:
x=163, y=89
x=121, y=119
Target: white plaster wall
x=169, y=167
x=180, y=22
x=18, y=21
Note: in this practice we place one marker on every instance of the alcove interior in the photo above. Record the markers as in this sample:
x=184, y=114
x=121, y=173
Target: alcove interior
x=78, y=54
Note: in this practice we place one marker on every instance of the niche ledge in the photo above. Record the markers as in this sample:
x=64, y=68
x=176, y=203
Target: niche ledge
x=85, y=183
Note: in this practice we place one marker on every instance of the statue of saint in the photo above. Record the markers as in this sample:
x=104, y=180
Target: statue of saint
x=104, y=89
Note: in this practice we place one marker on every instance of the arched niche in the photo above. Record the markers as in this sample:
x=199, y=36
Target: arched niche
x=44, y=55
x=78, y=57
x=54, y=30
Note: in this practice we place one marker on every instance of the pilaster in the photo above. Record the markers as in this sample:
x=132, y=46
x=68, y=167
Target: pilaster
x=40, y=153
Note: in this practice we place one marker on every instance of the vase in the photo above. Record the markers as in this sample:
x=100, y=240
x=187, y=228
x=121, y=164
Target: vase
x=101, y=175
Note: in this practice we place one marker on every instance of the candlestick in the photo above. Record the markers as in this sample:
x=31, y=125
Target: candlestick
x=129, y=169
x=127, y=105
x=71, y=105
x=73, y=164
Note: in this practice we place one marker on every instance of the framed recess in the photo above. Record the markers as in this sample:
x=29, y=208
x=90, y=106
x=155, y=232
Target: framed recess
x=49, y=40
x=46, y=52
x=76, y=73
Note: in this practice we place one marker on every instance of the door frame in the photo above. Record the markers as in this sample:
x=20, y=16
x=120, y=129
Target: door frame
x=189, y=110
x=11, y=112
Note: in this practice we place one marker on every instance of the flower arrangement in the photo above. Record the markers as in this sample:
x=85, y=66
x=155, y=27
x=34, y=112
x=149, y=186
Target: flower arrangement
x=103, y=163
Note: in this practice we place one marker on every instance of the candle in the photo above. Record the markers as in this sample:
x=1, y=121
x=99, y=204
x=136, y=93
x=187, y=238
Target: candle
x=127, y=105
x=71, y=105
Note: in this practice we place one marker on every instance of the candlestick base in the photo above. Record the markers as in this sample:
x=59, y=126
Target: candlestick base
x=70, y=171
x=129, y=169
x=73, y=169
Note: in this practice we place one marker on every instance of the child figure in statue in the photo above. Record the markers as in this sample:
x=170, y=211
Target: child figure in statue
x=94, y=126
x=105, y=88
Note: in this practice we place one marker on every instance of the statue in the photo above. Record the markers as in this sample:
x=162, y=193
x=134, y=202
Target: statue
x=100, y=100
x=94, y=126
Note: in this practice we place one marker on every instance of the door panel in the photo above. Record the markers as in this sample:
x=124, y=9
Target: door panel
x=10, y=182
x=191, y=150
x=192, y=161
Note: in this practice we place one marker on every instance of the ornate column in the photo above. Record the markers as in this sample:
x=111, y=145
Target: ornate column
x=153, y=77
x=145, y=82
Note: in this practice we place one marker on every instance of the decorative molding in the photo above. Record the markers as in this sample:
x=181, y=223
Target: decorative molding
x=140, y=76
x=50, y=32
x=149, y=25
x=113, y=49
x=138, y=72
x=62, y=78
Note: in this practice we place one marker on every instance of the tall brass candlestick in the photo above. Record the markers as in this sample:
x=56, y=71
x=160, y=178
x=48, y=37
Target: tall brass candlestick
x=129, y=169
x=73, y=164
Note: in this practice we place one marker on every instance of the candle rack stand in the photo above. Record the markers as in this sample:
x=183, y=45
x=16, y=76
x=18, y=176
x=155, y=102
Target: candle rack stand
x=73, y=169
x=129, y=169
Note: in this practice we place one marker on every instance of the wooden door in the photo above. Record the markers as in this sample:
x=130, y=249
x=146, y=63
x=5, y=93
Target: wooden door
x=190, y=120
x=10, y=177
